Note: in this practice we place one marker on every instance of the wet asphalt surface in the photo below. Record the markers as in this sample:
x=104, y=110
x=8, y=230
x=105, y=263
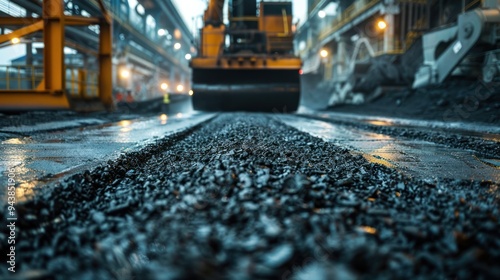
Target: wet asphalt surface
x=245, y=196
x=410, y=156
x=485, y=141
x=45, y=157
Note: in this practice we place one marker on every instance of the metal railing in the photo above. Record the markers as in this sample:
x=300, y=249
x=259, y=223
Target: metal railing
x=20, y=77
x=79, y=82
x=82, y=83
x=353, y=11
x=471, y=4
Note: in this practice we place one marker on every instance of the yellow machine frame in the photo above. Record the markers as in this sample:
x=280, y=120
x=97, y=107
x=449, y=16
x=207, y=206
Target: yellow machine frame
x=51, y=92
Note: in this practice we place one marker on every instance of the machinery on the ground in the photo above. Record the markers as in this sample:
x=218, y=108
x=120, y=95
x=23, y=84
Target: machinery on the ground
x=476, y=32
x=376, y=46
x=248, y=64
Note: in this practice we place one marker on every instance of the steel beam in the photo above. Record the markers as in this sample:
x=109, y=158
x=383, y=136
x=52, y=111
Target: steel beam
x=81, y=21
x=31, y=100
x=8, y=20
x=22, y=32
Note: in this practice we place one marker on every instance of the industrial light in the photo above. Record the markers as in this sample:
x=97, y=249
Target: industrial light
x=177, y=34
x=162, y=32
x=124, y=73
x=321, y=14
x=180, y=88
x=323, y=53
x=164, y=86
x=140, y=9
x=188, y=56
x=163, y=118
x=177, y=46
x=15, y=40
x=125, y=123
x=381, y=24
x=191, y=92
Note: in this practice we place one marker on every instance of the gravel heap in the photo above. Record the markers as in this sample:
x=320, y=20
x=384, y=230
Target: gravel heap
x=457, y=100
x=248, y=197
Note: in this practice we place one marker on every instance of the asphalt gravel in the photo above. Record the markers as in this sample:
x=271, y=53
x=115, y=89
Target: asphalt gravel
x=247, y=197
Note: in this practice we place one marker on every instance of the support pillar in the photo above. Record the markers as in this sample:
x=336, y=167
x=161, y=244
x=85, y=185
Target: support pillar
x=389, y=45
x=182, y=78
x=105, y=65
x=173, y=79
x=53, y=39
x=341, y=56
x=391, y=9
x=156, y=82
x=29, y=54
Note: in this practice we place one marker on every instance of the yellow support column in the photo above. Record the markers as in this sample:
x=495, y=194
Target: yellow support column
x=53, y=38
x=105, y=65
x=82, y=83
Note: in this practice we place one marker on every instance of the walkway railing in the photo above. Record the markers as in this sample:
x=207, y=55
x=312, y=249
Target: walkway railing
x=80, y=83
x=349, y=14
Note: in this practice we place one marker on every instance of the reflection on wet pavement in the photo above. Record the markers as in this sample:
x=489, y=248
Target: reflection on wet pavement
x=412, y=157
x=486, y=132
x=43, y=157
x=494, y=162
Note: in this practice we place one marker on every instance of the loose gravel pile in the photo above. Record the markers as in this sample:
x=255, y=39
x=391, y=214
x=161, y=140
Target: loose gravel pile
x=458, y=100
x=246, y=197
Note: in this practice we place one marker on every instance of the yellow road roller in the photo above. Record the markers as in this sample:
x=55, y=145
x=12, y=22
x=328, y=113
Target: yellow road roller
x=249, y=63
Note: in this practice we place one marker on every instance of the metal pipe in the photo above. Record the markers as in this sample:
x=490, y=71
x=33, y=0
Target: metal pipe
x=428, y=15
x=410, y=17
x=18, y=77
x=33, y=82
x=440, y=11
x=403, y=25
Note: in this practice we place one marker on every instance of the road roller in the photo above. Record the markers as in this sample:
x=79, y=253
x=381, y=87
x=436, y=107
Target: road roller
x=247, y=64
